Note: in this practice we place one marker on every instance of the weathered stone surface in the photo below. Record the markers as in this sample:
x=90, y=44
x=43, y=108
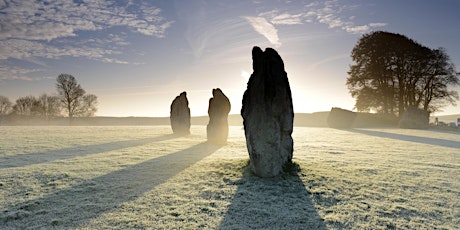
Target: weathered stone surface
x=415, y=118
x=219, y=107
x=341, y=118
x=180, y=115
x=268, y=114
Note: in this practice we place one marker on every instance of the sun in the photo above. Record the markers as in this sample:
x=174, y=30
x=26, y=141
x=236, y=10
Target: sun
x=245, y=75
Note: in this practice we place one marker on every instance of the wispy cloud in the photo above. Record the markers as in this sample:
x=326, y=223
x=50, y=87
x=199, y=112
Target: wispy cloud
x=287, y=19
x=17, y=73
x=330, y=13
x=53, y=29
x=21, y=49
x=202, y=37
x=36, y=20
x=265, y=28
x=315, y=65
x=277, y=18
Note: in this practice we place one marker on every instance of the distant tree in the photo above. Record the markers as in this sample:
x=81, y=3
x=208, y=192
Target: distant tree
x=73, y=98
x=5, y=105
x=88, y=106
x=26, y=106
x=70, y=93
x=48, y=106
x=393, y=73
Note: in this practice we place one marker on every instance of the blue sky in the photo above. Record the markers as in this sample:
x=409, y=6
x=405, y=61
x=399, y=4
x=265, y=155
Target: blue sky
x=137, y=56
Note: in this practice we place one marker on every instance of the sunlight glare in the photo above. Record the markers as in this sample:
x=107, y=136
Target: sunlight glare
x=245, y=75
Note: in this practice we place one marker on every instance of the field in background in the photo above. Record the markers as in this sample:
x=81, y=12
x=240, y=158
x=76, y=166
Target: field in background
x=143, y=177
x=317, y=119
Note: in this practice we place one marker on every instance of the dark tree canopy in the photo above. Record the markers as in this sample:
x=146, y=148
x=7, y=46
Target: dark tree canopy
x=73, y=98
x=392, y=73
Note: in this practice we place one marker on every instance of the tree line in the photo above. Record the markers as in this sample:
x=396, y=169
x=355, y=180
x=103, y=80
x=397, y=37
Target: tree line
x=393, y=72
x=71, y=100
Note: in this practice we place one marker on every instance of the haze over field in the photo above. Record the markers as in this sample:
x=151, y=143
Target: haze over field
x=136, y=56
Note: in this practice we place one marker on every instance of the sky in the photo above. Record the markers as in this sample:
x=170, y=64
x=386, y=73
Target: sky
x=137, y=56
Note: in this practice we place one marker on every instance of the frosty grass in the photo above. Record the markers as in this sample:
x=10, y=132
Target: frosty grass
x=144, y=178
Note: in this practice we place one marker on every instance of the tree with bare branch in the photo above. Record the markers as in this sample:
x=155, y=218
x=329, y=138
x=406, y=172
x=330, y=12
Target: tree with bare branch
x=5, y=105
x=73, y=97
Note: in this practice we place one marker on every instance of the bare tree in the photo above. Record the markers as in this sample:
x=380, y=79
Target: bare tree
x=70, y=93
x=5, y=105
x=73, y=98
x=26, y=106
x=48, y=106
x=88, y=106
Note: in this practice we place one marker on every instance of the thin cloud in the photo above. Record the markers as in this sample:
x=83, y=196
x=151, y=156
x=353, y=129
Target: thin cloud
x=33, y=24
x=329, y=13
x=22, y=49
x=378, y=24
x=266, y=29
x=315, y=65
x=16, y=73
x=287, y=19
x=35, y=20
x=357, y=29
x=203, y=37
x=52, y=29
x=277, y=18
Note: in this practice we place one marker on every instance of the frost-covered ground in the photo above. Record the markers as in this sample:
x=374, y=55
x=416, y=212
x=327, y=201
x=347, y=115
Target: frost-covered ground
x=144, y=178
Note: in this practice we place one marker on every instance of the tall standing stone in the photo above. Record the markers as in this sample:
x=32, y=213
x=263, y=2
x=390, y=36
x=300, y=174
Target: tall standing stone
x=219, y=107
x=268, y=114
x=180, y=115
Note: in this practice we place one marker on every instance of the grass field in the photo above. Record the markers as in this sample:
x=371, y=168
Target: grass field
x=145, y=178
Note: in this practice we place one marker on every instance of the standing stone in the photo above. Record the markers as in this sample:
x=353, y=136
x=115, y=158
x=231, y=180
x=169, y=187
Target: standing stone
x=268, y=114
x=341, y=118
x=180, y=115
x=415, y=118
x=219, y=107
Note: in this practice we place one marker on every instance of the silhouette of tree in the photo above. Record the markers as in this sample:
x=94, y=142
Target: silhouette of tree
x=88, y=105
x=393, y=73
x=26, y=106
x=73, y=98
x=48, y=106
x=5, y=105
x=433, y=86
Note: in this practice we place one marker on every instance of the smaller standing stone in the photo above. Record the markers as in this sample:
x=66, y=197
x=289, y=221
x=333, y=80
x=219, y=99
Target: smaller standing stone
x=219, y=107
x=415, y=118
x=341, y=118
x=180, y=115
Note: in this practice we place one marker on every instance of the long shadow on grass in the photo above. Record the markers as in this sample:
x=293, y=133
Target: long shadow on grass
x=61, y=154
x=71, y=207
x=416, y=139
x=276, y=203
